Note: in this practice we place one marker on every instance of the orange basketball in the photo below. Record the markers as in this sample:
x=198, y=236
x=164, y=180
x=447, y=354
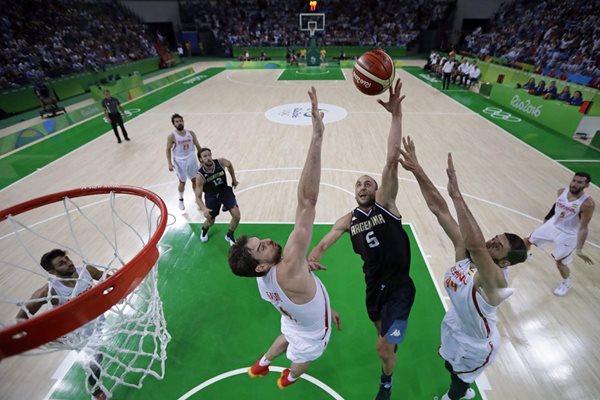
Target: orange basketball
x=373, y=72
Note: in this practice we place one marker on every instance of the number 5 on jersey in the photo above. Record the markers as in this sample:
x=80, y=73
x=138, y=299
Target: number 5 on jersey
x=372, y=239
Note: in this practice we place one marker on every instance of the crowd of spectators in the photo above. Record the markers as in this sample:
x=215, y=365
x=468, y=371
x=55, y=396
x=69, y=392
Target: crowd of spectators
x=347, y=22
x=562, y=36
x=551, y=92
x=48, y=39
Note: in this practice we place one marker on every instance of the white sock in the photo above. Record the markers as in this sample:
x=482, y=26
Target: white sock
x=567, y=281
x=264, y=362
x=290, y=377
x=180, y=195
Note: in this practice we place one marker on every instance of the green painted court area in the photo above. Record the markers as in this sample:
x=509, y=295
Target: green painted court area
x=322, y=73
x=218, y=324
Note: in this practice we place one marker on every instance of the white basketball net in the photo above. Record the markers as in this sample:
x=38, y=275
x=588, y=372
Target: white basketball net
x=128, y=342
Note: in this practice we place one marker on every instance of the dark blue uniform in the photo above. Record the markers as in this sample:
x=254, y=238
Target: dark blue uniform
x=216, y=190
x=379, y=238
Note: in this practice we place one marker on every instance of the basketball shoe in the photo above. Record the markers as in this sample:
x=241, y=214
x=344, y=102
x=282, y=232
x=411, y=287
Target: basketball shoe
x=229, y=240
x=283, y=381
x=470, y=394
x=181, y=205
x=563, y=287
x=384, y=393
x=204, y=236
x=258, y=371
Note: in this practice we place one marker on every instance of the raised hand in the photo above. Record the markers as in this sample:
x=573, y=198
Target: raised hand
x=408, y=158
x=317, y=116
x=315, y=266
x=453, y=190
x=394, y=103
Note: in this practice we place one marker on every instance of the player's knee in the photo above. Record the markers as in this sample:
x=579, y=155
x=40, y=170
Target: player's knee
x=386, y=351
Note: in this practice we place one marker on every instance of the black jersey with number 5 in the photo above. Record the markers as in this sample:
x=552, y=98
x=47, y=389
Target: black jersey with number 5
x=216, y=181
x=379, y=238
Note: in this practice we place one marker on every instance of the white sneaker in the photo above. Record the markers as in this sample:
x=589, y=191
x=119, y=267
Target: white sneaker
x=228, y=240
x=470, y=394
x=204, y=237
x=181, y=205
x=562, y=288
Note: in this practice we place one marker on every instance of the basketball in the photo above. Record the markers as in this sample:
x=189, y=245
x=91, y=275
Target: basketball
x=373, y=72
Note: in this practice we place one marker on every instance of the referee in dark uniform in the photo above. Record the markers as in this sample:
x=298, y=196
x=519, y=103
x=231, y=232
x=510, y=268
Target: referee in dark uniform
x=377, y=235
x=111, y=107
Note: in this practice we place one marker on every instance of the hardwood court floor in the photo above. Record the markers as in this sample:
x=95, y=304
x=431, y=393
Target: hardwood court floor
x=550, y=345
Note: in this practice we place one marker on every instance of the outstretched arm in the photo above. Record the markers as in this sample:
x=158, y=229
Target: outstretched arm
x=436, y=203
x=587, y=210
x=34, y=306
x=227, y=164
x=198, y=192
x=490, y=275
x=386, y=195
x=308, y=191
x=338, y=229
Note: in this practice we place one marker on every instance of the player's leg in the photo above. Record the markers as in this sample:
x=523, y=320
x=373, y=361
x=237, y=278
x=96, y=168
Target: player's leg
x=396, y=305
x=113, y=122
x=261, y=366
x=230, y=204
x=180, y=190
x=94, y=378
x=214, y=204
x=459, y=389
x=290, y=375
x=563, y=254
x=122, y=125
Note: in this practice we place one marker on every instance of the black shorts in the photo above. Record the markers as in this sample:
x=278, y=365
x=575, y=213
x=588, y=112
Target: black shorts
x=224, y=198
x=390, y=303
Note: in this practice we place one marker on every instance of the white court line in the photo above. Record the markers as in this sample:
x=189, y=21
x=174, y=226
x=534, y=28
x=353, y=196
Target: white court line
x=349, y=112
x=61, y=371
x=285, y=84
x=431, y=88
x=241, y=371
x=581, y=161
x=328, y=185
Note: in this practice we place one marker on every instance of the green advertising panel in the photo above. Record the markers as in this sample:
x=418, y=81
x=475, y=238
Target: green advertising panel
x=50, y=126
x=555, y=115
x=255, y=64
x=332, y=51
x=511, y=76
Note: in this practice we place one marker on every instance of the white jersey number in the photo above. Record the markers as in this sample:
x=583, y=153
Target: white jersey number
x=217, y=181
x=372, y=240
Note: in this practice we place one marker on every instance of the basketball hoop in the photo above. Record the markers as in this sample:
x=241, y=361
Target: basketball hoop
x=312, y=22
x=312, y=27
x=114, y=229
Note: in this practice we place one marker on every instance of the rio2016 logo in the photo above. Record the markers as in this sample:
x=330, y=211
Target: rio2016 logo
x=128, y=113
x=498, y=113
x=300, y=113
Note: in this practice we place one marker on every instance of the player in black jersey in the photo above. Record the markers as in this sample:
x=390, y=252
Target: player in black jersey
x=377, y=235
x=212, y=180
